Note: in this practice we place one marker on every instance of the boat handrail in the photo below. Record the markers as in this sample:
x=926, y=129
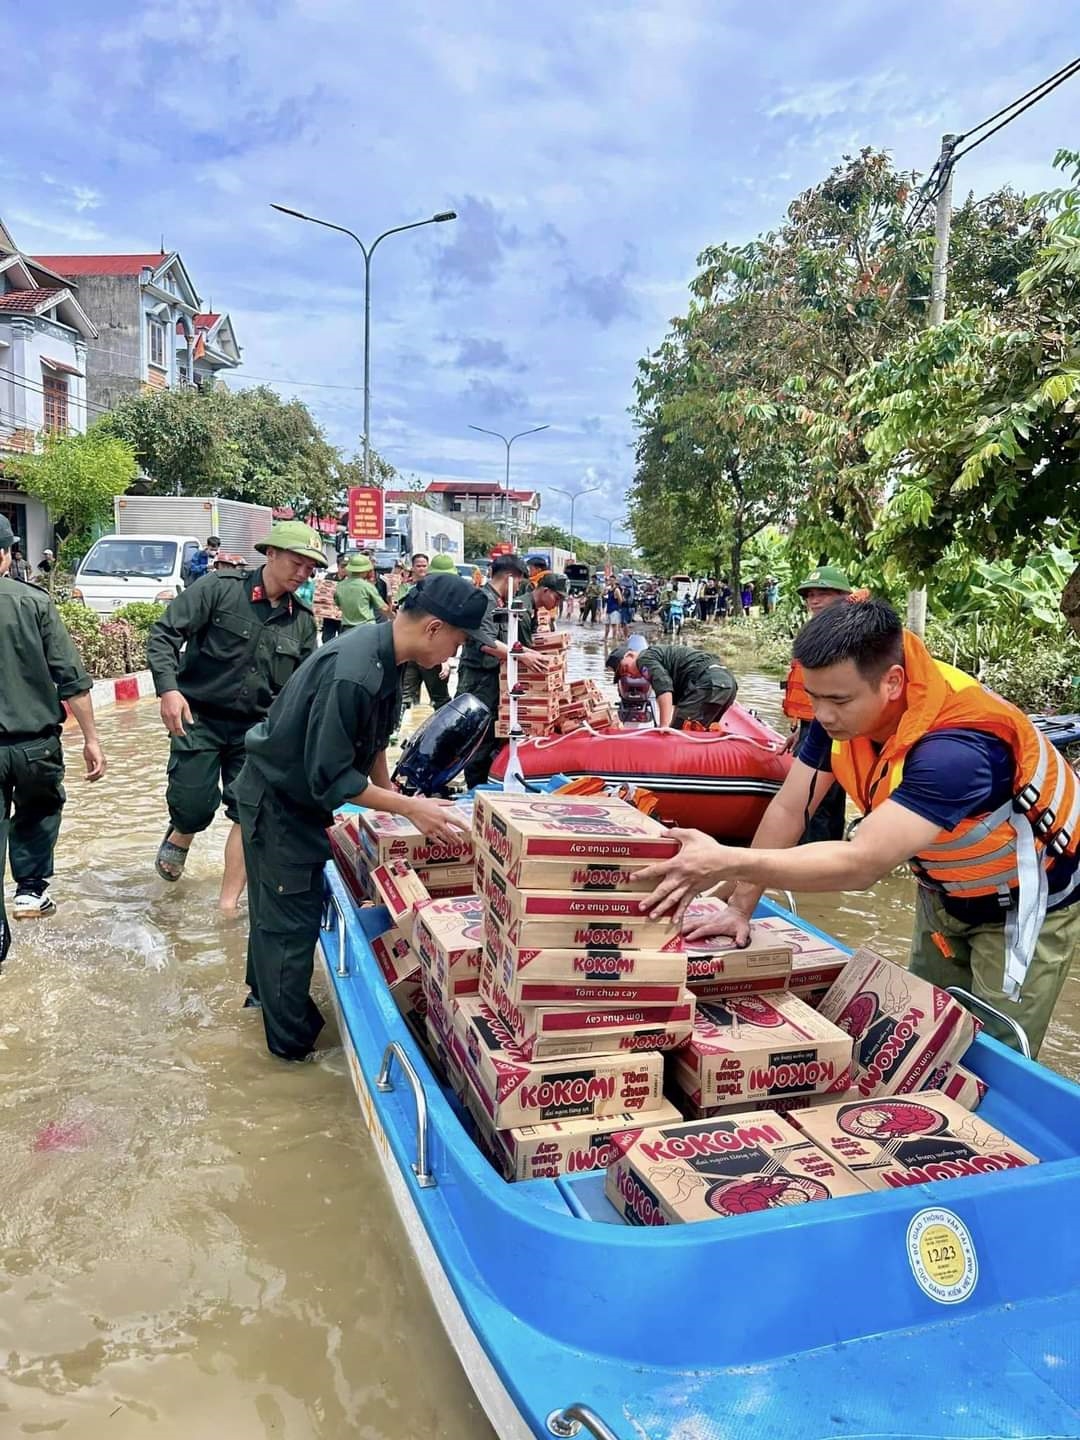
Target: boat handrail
x=966, y=998
x=424, y=1178
x=331, y=903
x=568, y=1421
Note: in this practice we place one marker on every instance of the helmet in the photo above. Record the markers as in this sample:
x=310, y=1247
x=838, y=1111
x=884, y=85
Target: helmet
x=442, y=747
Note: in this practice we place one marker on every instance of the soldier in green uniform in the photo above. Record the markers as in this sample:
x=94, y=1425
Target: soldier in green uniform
x=546, y=593
x=39, y=668
x=356, y=597
x=435, y=677
x=484, y=654
x=324, y=744
x=688, y=684
x=242, y=636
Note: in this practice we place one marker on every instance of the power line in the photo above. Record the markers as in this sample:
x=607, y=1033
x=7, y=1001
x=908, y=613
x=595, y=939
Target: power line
x=11, y=377
x=1051, y=82
x=1066, y=73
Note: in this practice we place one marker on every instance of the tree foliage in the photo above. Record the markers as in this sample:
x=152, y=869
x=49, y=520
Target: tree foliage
x=481, y=537
x=241, y=445
x=973, y=426
x=76, y=477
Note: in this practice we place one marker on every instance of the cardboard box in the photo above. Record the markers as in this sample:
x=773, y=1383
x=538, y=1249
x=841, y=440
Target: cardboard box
x=448, y=936
x=892, y=1141
x=393, y=837
x=707, y=1169
x=408, y=995
x=607, y=921
x=724, y=969
x=523, y=988
x=903, y=1027
x=581, y=964
x=754, y=1047
x=959, y=1085
x=547, y=1031
x=395, y=956
x=563, y=1147
x=400, y=890
x=546, y=827
x=591, y=876
x=445, y=877
x=548, y=640
x=516, y=1091
x=608, y=906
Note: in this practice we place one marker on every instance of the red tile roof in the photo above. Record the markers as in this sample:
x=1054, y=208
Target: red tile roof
x=28, y=301
x=206, y=322
x=100, y=264
x=475, y=487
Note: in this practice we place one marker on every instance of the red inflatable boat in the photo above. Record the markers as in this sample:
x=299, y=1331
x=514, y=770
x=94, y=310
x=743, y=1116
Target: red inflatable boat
x=719, y=782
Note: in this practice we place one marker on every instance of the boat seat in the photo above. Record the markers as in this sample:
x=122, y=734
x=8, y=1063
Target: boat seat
x=585, y=1198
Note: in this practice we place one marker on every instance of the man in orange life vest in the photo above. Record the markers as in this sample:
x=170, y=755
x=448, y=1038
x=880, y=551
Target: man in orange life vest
x=823, y=587
x=952, y=780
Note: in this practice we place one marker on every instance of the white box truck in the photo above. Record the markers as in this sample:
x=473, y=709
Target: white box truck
x=154, y=539
x=413, y=528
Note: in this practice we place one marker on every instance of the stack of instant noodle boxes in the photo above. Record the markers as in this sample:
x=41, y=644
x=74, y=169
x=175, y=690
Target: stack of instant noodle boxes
x=581, y=1034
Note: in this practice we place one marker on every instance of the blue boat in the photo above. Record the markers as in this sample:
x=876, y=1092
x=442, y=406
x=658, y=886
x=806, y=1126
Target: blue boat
x=824, y=1322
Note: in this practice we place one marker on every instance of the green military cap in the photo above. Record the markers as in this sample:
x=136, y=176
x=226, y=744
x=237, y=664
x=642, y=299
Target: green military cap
x=826, y=577
x=551, y=581
x=442, y=565
x=451, y=598
x=7, y=535
x=293, y=535
x=359, y=565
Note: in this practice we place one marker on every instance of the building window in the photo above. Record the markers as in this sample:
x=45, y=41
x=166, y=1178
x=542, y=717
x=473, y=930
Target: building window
x=157, y=344
x=56, y=405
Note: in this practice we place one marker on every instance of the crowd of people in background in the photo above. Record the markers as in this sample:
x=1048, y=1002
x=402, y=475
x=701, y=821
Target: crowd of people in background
x=617, y=601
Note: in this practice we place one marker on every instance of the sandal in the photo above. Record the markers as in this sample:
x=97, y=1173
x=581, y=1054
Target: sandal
x=170, y=854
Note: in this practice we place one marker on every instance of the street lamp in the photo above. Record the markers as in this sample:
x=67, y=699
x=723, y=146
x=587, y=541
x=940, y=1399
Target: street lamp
x=573, y=498
x=508, y=440
x=368, y=251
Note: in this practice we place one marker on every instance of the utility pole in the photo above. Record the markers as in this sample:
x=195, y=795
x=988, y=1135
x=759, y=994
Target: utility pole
x=939, y=281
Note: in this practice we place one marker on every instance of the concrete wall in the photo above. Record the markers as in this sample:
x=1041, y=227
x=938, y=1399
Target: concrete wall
x=115, y=366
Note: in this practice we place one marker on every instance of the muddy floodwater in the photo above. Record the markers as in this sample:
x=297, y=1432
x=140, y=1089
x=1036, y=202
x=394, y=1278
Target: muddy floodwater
x=196, y=1241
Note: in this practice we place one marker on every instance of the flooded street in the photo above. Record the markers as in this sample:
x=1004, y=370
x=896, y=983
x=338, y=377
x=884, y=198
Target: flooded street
x=197, y=1238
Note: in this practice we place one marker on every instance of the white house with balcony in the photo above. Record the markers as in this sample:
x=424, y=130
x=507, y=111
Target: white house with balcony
x=515, y=512
x=44, y=335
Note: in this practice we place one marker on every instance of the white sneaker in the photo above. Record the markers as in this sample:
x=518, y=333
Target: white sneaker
x=33, y=903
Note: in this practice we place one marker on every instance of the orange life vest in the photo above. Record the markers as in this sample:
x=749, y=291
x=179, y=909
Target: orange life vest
x=1005, y=852
x=796, y=704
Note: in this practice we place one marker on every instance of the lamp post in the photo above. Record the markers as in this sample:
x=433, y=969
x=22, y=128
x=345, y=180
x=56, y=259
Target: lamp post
x=508, y=440
x=573, y=498
x=367, y=251
x=610, y=526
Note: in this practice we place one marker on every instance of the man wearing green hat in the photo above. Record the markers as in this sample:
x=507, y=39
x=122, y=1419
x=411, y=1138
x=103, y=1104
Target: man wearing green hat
x=435, y=677
x=547, y=593
x=356, y=597
x=823, y=587
x=219, y=656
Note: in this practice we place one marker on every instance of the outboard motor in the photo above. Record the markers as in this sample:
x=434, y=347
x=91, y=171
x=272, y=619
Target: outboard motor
x=634, y=706
x=442, y=747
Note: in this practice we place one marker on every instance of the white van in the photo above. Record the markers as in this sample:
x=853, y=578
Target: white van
x=120, y=569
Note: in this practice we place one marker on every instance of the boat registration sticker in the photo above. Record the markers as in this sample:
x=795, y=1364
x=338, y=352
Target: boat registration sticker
x=942, y=1256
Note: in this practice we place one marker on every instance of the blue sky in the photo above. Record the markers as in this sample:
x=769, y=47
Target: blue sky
x=591, y=150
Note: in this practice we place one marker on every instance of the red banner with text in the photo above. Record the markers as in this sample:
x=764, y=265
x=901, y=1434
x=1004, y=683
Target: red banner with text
x=366, y=523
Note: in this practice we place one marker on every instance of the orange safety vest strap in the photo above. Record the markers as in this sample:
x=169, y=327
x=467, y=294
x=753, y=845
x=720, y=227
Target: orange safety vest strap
x=796, y=704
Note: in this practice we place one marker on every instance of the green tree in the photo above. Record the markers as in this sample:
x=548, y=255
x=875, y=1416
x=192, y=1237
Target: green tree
x=76, y=477
x=973, y=426
x=481, y=537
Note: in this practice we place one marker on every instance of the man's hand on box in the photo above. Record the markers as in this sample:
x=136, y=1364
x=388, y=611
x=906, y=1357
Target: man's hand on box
x=699, y=864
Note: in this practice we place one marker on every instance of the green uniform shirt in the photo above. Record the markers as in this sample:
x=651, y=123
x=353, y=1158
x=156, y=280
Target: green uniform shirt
x=358, y=600
x=316, y=747
x=238, y=649
x=678, y=671
x=39, y=665
x=525, y=606
x=491, y=631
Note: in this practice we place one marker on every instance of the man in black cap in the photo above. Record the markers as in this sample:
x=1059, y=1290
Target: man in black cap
x=39, y=668
x=484, y=654
x=324, y=744
x=689, y=685
x=546, y=594
x=219, y=655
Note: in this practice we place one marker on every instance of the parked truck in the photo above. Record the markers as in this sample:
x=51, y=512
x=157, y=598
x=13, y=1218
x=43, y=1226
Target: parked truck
x=554, y=557
x=414, y=528
x=148, y=555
